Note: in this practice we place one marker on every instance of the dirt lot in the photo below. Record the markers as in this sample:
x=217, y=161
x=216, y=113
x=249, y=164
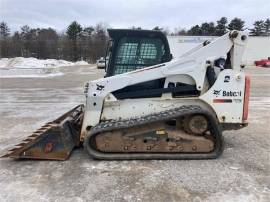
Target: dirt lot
x=242, y=173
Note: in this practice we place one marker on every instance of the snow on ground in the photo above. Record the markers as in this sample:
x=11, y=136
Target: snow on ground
x=33, y=67
x=29, y=73
x=81, y=63
x=20, y=62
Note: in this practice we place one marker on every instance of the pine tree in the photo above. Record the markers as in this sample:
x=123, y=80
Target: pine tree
x=195, y=30
x=258, y=29
x=208, y=29
x=4, y=40
x=73, y=32
x=267, y=27
x=221, y=26
x=4, y=30
x=236, y=24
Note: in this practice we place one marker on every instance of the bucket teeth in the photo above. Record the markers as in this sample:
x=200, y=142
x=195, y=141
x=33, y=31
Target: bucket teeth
x=20, y=145
x=28, y=139
x=13, y=149
x=39, y=130
x=46, y=126
x=53, y=141
x=33, y=135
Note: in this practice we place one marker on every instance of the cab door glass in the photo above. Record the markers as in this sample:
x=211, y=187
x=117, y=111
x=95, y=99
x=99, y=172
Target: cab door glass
x=135, y=53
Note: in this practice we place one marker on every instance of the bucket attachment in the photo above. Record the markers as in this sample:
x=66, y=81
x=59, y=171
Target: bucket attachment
x=54, y=140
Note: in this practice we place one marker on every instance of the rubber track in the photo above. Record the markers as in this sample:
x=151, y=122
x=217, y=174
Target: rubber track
x=157, y=117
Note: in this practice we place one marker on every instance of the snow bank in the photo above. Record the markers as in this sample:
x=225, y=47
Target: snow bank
x=81, y=63
x=20, y=62
x=32, y=67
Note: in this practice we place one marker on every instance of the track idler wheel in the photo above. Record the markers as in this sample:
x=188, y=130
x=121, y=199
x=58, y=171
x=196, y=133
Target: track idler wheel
x=195, y=124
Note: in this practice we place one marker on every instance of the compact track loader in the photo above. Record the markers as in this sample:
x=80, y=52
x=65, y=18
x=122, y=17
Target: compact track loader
x=151, y=106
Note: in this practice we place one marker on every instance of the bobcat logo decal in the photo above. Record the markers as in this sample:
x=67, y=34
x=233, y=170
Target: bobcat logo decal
x=217, y=92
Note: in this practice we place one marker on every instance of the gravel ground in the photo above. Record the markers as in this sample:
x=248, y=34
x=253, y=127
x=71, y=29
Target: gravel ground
x=240, y=174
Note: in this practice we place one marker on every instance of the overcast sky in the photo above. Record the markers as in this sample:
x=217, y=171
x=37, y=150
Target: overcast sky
x=126, y=13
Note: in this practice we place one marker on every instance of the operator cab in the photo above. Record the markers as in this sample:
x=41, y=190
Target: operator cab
x=132, y=49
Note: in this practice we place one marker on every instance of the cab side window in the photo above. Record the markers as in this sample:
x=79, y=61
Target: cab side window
x=136, y=53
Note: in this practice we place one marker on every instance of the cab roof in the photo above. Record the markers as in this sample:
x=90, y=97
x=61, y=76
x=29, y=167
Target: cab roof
x=119, y=33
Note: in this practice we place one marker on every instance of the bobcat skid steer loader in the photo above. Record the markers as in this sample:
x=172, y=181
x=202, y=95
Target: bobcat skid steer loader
x=150, y=106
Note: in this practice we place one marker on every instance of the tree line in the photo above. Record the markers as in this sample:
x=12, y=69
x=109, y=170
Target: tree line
x=89, y=43
x=76, y=43
x=260, y=28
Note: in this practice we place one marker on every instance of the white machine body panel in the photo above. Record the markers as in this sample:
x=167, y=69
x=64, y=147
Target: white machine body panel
x=191, y=69
x=226, y=96
x=132, y=108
